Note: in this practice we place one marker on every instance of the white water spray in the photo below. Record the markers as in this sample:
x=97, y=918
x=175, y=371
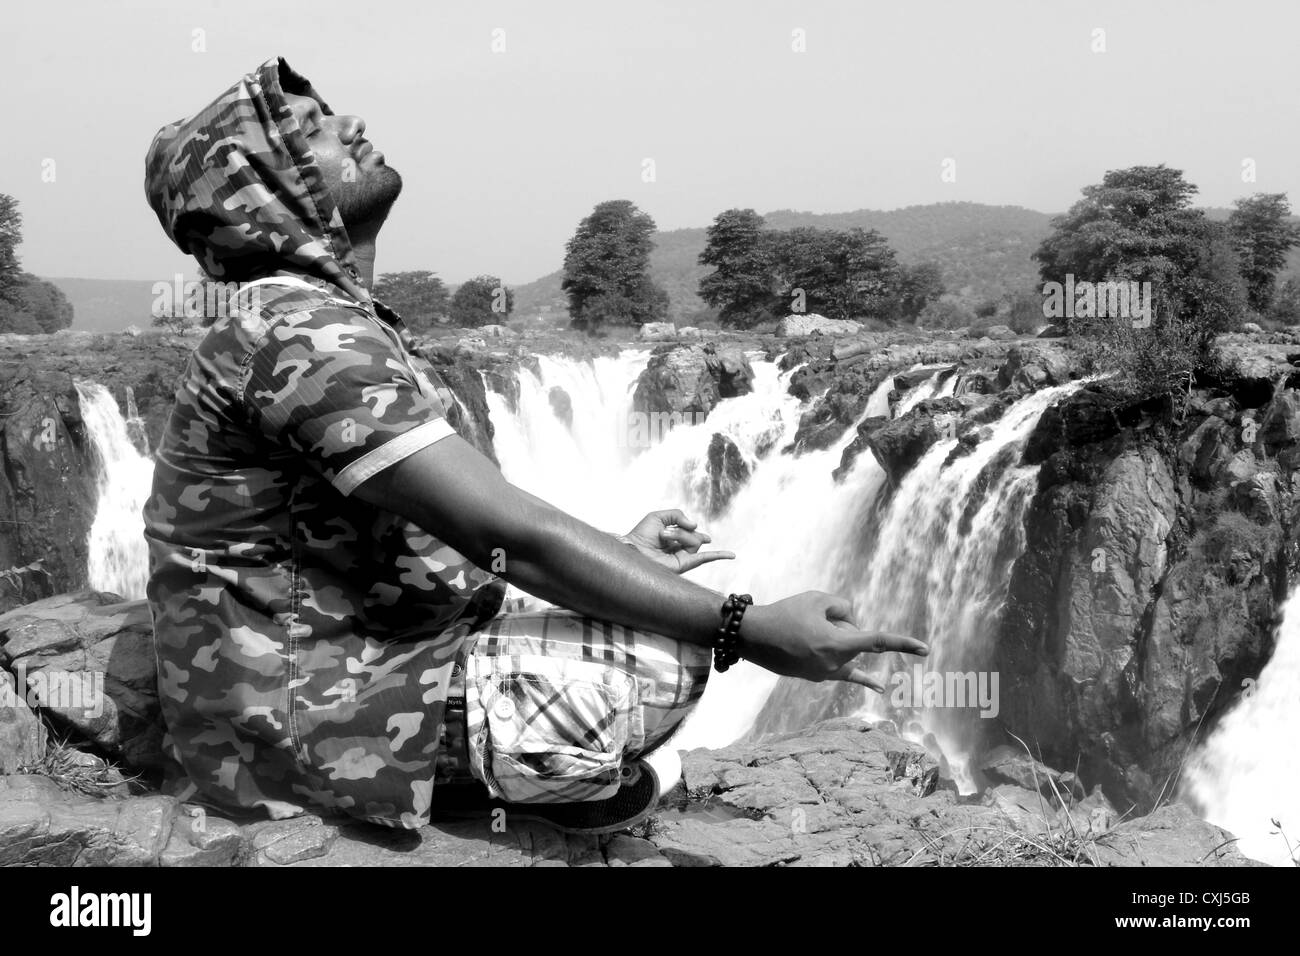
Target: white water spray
x=1246, y=778
x=118, y=557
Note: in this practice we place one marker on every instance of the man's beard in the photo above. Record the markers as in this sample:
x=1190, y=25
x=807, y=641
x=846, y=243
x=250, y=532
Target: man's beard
x=369, y=199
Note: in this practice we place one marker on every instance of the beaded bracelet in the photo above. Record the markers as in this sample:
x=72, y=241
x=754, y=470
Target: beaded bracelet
x=726, y=643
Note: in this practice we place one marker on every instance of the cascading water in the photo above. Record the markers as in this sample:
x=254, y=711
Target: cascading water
x=1245, y=778
x=781, y=523
x=118, y=558
x=944, y=544
x=940, y=569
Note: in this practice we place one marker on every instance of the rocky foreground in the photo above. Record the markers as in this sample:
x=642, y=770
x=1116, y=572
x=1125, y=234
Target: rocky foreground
x=840, y=793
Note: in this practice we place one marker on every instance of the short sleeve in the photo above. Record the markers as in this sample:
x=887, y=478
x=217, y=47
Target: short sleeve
x=336, y=388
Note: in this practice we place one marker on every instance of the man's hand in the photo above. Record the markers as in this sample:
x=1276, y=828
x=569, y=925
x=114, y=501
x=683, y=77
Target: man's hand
x=812, y=636
x=669, y=538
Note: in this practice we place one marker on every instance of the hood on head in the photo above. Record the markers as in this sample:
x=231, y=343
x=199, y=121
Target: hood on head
x=237, y=187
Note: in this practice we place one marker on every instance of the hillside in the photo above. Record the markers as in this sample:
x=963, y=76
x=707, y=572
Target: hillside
x=983, y=250
x=107, y=305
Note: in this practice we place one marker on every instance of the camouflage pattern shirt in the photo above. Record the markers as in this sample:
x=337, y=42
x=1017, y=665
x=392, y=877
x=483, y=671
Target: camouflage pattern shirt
x=304, y=638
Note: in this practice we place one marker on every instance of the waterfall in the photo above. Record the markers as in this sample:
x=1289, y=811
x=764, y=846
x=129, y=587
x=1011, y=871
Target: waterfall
x=118, y=558
x=941, y=566
x=1245, y=776
x=944, y=543
x=135, y=427
x=781, y=523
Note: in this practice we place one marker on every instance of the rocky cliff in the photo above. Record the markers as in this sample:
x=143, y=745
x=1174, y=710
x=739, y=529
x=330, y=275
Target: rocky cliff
x=1161, y=542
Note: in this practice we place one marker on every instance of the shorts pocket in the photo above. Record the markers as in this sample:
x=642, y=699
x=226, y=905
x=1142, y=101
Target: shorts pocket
x=550, y=730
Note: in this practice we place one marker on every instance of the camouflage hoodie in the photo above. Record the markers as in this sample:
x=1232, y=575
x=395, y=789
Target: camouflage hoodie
x=305, y=639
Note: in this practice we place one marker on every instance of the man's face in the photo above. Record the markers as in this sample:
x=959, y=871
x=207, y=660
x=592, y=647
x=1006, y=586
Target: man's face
x=363, y=185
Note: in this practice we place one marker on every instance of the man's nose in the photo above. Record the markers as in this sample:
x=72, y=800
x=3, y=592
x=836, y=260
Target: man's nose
x=350, y=128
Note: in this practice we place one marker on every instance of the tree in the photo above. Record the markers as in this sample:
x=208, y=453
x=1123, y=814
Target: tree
x=740, y=286
x=34, y=306
x=607, y=269
x=944, y=314
x=419, y=296
x=1026, y=313
x=1137, y=224
x=918, y=286
x=834, y=273
x=1286, y=303
x=481, y=301
x=46, y=302
x=11, y=224
x=1262, y=235
x=1208, y=298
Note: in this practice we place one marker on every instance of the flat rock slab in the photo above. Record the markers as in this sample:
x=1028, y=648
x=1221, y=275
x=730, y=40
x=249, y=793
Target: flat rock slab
x=842, y=793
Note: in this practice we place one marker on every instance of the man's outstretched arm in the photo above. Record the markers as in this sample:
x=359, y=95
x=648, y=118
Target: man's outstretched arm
x=455, y=493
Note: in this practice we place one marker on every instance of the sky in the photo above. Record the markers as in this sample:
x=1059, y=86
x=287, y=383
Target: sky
x=510, y=121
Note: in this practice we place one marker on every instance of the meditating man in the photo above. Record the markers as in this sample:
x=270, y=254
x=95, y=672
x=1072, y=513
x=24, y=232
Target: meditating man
x=328, y=555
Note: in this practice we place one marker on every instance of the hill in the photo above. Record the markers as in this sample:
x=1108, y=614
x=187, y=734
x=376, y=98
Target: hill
x=983, y=251
x=107, y=305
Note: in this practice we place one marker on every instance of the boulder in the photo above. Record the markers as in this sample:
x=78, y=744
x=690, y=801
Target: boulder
x=690, y=333
x=657, y=332
x=22, y=735
x=813, y=324
x=906, y=381
x=491, y=332
x=1257, y=497
x=1280, y=424
x=1031, y=367
x=561, y=405
x=1169, y=836
x=727, y=471
x=900, y=443
x=1007, y=764
x=1000, y=332
x=687, y=381
x=838, y=407
x=43, y=825
x=1249, y=327
x=89, y=657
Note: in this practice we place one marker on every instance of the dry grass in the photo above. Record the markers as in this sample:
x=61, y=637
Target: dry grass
x=64, y=765
x=1061, y=843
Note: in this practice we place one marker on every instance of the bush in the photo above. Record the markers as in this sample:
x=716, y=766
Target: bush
x=1026, y=315
x=945, y=314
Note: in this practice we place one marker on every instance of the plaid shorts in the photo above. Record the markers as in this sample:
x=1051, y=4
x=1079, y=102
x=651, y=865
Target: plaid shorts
x=553, y=702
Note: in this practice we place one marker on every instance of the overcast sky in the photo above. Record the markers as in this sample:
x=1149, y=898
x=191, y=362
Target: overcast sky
x=503, y=152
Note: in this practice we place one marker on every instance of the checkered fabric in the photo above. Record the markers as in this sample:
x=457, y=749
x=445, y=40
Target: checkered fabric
x=554, y=702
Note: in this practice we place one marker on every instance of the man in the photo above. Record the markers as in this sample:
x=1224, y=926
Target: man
x=318, y=530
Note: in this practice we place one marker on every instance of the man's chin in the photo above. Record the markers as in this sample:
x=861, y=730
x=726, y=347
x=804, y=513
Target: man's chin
x=370, y=199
